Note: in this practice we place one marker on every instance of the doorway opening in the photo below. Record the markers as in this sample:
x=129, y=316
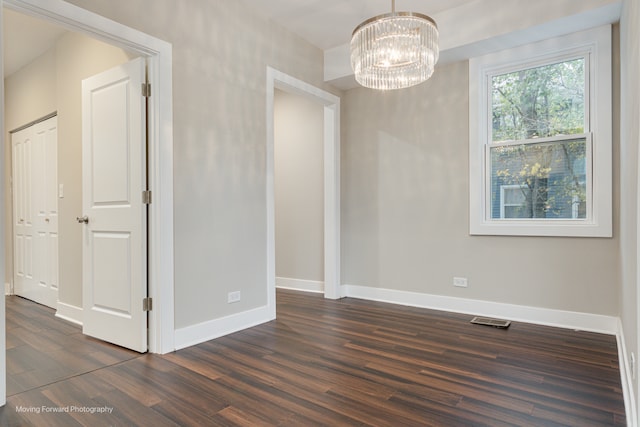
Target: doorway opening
x=331, y=181
x=160, y=134
x=299, y=192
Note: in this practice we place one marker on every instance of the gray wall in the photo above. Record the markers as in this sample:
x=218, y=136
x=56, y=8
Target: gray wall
x=630, y=137
x=404, y=178
x=221, y=50
x=299, y=186
x=53, y=83
x=405, y=210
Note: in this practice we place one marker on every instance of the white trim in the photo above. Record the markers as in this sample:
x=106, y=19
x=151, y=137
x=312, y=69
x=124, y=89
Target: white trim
x=70, y=313
x=540, y=316
x=300, y=284
x=626, y=379
x=212, y=329
x=7, y=289
x=280, y=80
x=597, y=42
x=159, y=56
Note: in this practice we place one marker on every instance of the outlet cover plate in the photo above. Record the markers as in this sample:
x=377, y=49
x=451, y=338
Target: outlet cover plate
x=460, y=282
x=233, y=297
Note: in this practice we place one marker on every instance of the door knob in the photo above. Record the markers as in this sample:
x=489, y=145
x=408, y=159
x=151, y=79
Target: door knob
x=83, y=220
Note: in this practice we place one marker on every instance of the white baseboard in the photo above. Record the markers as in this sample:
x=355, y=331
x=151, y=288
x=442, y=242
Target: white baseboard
x=7, y=289
x=300, y=284
x=196, y=334
x=70, y=313
x=541, y=316
x=626, y=376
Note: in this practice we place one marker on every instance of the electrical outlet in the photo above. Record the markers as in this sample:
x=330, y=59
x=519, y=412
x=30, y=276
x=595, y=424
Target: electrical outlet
x=233, y=297
x=460, y=282
x=633, y=366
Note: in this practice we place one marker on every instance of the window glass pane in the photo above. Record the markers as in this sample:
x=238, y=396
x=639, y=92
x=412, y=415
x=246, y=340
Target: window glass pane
x=539, y=180
x=514, y=212
x=514, y=196
x=539, y=102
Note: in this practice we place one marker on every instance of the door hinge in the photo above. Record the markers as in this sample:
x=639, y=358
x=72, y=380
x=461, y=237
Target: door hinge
x=146, y=90
x=146, y=197
x=147, y=304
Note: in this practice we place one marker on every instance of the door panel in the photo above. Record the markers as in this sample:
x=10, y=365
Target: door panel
x=21, y=194
x=114, y=243
x=111, y=286
x=45, y=210
x=111, y=146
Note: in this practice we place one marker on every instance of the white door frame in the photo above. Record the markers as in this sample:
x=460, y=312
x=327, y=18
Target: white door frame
x=279, y=80
x=159, y=61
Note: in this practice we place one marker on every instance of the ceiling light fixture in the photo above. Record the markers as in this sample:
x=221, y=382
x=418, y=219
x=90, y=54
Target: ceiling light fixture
x=394, y=50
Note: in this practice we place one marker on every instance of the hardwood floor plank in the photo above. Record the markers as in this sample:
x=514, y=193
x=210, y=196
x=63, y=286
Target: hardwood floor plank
x=550, y=415
x=184, y=415
x=436, y=414
x=137, y=387
x=179, y=385
x=91, y=386
x=128, y=412
x=197, y=359
x=232, y=415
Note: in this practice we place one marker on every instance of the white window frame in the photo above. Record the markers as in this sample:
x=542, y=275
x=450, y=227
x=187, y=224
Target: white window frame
x=595, y=46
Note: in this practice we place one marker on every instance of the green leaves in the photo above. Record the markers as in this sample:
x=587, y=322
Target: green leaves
x=539, y=102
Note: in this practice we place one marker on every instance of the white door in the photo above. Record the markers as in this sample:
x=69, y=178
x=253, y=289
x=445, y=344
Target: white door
x=114, y=216
x=21, y=145
x=35, y=212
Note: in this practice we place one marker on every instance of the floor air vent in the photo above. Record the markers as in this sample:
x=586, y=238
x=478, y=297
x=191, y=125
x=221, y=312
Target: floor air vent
x=488, y=321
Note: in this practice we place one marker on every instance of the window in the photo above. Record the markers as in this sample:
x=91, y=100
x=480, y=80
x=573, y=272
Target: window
x=513, y=201
x=540, y=138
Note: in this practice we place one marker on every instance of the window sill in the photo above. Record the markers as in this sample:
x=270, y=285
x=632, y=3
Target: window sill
x=547, y=228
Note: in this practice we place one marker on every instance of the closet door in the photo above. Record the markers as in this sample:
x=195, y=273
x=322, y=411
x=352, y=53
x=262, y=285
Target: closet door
x=35, y=152
x=22, y=144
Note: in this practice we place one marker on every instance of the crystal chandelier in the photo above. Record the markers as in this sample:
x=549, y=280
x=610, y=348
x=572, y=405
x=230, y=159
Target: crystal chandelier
x=394, y=50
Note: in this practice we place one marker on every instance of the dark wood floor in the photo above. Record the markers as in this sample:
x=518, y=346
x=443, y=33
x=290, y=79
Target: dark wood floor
x=42, y=349
x=346, y=362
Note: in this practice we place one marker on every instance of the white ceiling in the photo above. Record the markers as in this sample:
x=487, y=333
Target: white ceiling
x=25, y=38
x=324, y=23
x=467, y=27
x=329, y=23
